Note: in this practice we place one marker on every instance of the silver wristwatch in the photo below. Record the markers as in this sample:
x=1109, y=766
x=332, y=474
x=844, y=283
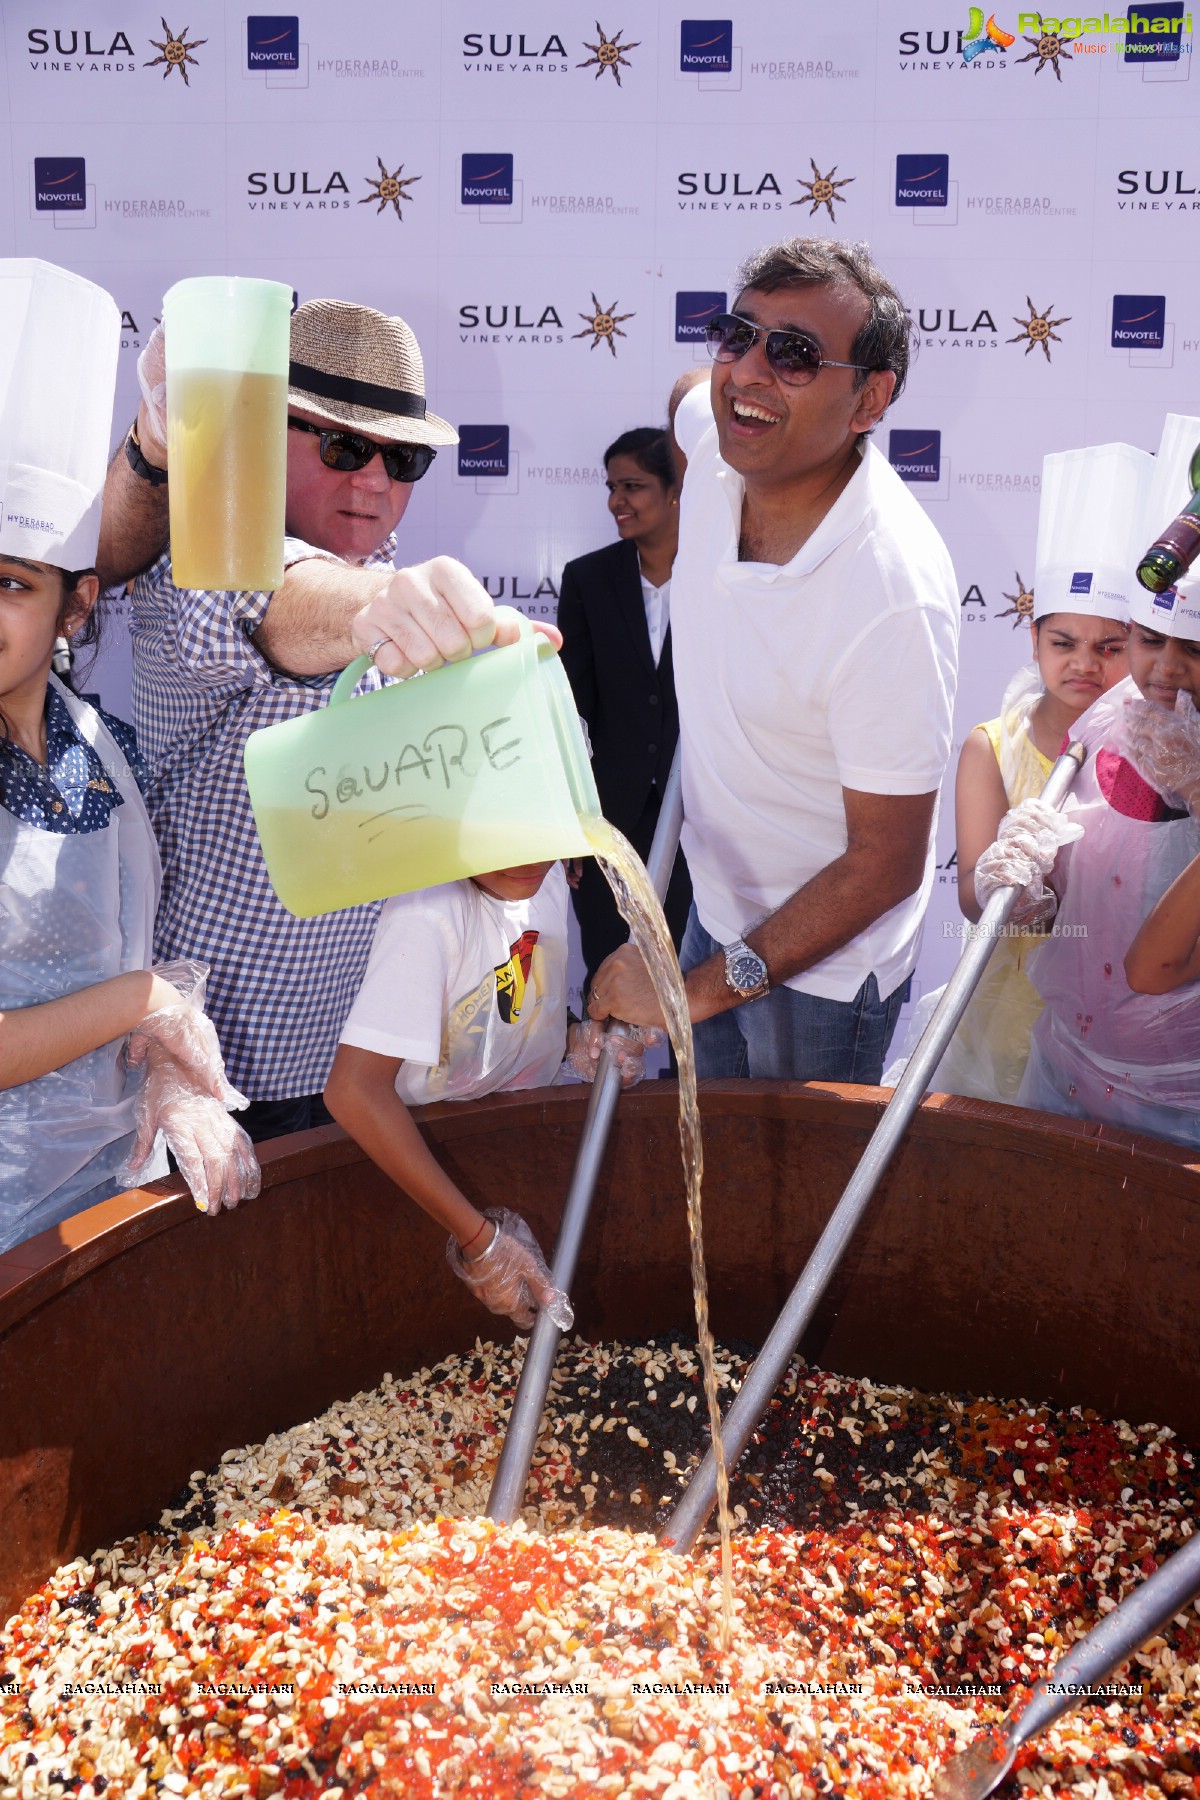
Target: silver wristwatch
x=745, y=971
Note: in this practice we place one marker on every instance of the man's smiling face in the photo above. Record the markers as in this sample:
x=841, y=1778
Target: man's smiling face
x=774, y=432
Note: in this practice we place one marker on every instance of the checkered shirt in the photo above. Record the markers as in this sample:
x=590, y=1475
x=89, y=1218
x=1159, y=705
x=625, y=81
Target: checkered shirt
x=280, y=988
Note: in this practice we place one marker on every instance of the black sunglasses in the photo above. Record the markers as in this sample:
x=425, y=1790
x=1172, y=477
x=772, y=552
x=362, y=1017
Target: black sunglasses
x=346, y=450
x=794, y=356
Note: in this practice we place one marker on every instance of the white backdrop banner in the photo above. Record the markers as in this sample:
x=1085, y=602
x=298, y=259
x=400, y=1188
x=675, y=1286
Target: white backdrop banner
x=556, y=202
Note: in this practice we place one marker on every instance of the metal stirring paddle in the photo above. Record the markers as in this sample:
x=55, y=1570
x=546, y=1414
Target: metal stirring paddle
x=516, y=1453
x=978, y=1770
x=767, y=1371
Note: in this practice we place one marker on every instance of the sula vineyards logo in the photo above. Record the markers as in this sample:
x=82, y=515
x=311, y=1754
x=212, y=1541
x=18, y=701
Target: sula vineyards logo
x=388, y=189
x=603, y=325
x=822, y=189
x=609, y=54
x=979, y=37
x=1038, y=328
x=176, y=52
x=1022, y=600
x=1048, y=47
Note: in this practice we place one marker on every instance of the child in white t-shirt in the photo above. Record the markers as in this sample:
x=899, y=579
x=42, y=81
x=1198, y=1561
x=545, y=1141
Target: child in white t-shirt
x=465, y=994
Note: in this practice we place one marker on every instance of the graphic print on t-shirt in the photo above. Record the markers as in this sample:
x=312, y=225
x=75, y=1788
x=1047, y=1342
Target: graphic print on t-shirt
x=512, y=976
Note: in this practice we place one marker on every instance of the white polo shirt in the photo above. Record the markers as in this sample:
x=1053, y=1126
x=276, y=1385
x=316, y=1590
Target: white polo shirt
x=835, y=670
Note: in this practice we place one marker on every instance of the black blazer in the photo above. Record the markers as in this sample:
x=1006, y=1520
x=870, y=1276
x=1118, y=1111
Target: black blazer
x=628, y=703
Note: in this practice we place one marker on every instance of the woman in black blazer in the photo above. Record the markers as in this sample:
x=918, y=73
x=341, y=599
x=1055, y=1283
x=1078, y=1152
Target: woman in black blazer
x=613, y=612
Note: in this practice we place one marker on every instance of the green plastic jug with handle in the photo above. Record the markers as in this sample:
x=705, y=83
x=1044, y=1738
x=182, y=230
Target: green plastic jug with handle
x=478, y=765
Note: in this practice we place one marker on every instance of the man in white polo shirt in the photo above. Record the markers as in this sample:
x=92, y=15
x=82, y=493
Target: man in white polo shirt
x=815, y=616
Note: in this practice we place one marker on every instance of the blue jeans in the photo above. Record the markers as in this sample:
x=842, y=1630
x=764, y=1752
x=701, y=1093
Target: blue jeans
x=789, y=1036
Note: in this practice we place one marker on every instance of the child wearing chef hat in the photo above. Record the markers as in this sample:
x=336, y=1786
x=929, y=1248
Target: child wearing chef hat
x=1099, y=1049
x=101, y=1056
x=1088, y=519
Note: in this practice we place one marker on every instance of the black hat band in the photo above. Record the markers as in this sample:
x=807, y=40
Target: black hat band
x=356, y=393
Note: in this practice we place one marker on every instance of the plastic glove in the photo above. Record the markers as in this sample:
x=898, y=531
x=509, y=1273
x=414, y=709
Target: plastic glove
x=511, y=1276
x=187, y=975
x=1164, y=748
x=586, y=1041
x=188, y=1037
x=152, y=379
x=1027, y=844
x=214, y=1155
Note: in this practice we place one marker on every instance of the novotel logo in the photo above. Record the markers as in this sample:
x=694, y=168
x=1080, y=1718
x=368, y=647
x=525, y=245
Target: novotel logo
x=692, y=313
x=483, y=449
x=59, y=184
x=1139, y=321
x=1081, y=582
x=487, y=180
x=706, y=46
x=916, y=455
x=272, y=41
x=1154, y=32
x=922, y=180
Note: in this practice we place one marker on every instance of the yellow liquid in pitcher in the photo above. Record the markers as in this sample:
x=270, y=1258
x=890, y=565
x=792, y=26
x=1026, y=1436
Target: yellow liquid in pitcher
x=227, y=449
x=640, y=908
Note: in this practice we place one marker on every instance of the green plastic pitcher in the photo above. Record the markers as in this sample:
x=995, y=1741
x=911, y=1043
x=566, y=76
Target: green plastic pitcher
x=479, y=765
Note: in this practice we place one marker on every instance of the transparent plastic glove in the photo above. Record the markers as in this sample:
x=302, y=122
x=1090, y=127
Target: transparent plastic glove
x=586, y=1041
x=187, y=975
x=188, y=1037
x=1027, y=844
x=511, y=1276
x=152, y=379
x=214, y=1155
x=1164, y=748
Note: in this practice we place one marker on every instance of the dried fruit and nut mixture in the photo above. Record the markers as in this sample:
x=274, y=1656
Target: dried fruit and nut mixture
x=327, y=1613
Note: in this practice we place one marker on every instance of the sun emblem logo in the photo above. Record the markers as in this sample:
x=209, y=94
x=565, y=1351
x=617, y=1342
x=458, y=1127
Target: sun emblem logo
x=603, y=325
x=1048, y=46
x=822, y=189
x=389, y=190
x=609, y=53
x=1022, y=601
x=1038, y=328
x=175, y=52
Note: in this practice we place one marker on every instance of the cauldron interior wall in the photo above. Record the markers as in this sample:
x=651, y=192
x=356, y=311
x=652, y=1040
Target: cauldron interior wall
x=1004, y=1253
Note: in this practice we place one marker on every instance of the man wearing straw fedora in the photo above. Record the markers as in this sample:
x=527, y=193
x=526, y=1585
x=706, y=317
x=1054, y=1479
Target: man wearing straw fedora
x=211, y=667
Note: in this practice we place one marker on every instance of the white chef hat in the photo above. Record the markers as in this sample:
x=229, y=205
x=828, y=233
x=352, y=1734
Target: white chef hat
x=59, y=339
x=1089, y=522
x=1177, y=612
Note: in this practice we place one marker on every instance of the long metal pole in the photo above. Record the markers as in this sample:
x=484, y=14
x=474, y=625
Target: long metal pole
x=687, y=1521
x=516, y=1453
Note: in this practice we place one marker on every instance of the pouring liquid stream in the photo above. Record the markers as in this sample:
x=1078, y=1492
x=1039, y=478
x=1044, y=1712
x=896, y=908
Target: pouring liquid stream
x=640, y=908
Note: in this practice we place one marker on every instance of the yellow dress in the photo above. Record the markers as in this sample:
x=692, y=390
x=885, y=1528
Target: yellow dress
x=987, y=1055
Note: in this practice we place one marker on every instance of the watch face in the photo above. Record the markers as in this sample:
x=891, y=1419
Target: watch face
x=747, y=971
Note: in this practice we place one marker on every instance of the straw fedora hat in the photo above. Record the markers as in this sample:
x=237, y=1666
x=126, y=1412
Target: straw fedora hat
x=361, y=369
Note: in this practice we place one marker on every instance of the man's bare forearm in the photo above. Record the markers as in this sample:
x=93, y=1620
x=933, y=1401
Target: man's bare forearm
x=134, y=525
x=841, y=901
x=882, y=864
x=306, y=630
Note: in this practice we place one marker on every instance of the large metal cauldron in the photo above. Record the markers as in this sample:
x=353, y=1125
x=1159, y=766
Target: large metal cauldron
x=1005, y=1252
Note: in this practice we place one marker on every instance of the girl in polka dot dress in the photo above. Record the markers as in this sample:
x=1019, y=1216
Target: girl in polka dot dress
x=98, y=1052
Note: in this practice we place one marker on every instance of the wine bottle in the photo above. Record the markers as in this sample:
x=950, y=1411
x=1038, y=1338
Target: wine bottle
x=1175, y=550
